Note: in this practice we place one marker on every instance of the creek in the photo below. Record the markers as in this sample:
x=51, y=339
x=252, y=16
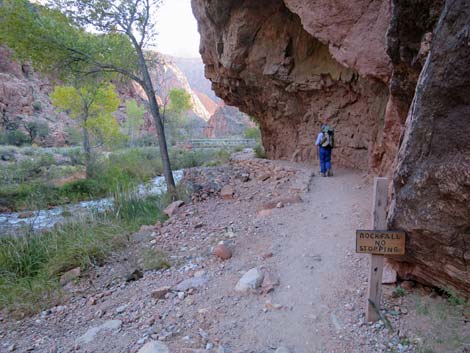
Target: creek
x=43, y=219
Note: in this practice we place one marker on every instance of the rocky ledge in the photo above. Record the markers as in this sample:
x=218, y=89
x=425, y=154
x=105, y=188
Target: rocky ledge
x=292, y=64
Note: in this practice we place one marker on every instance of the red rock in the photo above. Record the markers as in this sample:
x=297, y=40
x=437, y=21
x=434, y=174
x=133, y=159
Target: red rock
x=263, y=213
x=70, y=276
x=227, y=192
x=222, y=252
x=408, y=285
x=160, y=293
x=267, y=255
x=173, y=207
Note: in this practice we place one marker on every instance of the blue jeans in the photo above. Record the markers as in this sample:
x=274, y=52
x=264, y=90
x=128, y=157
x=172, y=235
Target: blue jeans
x=325, y=159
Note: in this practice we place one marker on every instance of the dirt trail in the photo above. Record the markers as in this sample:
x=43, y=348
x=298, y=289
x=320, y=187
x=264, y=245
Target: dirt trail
x=318, y=272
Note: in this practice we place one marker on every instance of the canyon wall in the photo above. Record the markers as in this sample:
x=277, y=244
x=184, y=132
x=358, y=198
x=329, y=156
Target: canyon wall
x=263, y=58
x=294, y=64
x=432, y=176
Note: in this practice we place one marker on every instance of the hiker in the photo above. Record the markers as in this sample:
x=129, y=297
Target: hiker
x=325, y=143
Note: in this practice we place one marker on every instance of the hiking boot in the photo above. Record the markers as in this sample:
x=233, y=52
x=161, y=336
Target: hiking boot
x=323, y=174
x=329, y=173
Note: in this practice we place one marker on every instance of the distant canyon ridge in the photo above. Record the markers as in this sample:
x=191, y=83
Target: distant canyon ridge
x=24, y=97
x=392, y=77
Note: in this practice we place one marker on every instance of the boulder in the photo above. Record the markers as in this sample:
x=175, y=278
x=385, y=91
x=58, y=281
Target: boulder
x=194, y=282
x=250, y=280
x=160, y=293
x=69, y=276
x=154, y=347
x=222, y=252
x=89, y=336
x=173, y=207
x=227, y=192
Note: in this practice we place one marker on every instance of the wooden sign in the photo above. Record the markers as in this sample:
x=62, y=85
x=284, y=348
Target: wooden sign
x=380, y=242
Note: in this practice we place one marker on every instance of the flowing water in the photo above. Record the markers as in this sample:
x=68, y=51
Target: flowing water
x=44, y=219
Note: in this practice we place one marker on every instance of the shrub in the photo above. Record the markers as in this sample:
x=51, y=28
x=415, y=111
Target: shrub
x=82, y=189
x=17, y=138
x=253, y=133
x=259, y=151
x=37, y=106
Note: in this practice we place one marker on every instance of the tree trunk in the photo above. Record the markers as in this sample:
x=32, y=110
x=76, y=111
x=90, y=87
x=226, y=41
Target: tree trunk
x=86, y=150
x=154, y=110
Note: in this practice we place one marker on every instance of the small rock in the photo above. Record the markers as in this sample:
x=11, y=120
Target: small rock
x=70, y=276
x=91, y=301
x=349, y=307
x=194, y=282
x=222, y=252
x=271, y=306
x=28, y=214
x=11, y=348
x=263, y=213
x=154, y=347
x=227, y=192
x=250, y=280
x=270, y=281
x=267, y=255
x=173, y=207
x=160, y=293
x=279, y=205
x=92, y=332
x=121, y=309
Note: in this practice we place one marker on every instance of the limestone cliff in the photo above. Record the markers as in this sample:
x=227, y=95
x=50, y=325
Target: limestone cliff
x=293, y=64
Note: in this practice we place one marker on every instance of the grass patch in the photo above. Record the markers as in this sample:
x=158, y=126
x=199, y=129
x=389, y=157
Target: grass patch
x=153, y=259
x=399, y=292
x=31, y=265
x=259, y=151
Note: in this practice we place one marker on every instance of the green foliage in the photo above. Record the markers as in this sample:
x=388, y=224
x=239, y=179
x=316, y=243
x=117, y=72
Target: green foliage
x=36, y=129
x=74, y=136
x=253, y=133
x=399, y=292
x=31, y=265
x=93, y=104
x=54, y=43
x=453, y=298
x=259, y=151
x=16, y=138
x=37, y=106
x=180, y=101
x=135, y=119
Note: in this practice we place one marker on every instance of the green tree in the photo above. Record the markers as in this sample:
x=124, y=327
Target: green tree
x=135, y=119
x=179, y=102
x=55, y=40
x=36, y=129
x=134, y=20
x=93, y=105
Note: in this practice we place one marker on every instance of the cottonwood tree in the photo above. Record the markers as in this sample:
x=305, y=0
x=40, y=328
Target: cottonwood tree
x=135, y=119
x=55, y=38
x=93, y=106
x=134, y=20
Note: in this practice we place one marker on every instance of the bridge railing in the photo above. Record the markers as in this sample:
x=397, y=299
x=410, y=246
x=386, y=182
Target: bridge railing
x=216, y=143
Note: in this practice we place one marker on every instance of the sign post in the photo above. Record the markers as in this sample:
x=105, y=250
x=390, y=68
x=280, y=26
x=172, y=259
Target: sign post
x=378, y=242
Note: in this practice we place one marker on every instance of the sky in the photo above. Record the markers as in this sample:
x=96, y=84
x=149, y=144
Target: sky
x=177, y=29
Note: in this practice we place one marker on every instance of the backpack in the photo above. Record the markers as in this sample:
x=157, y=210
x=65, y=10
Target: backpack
x=328, y=139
